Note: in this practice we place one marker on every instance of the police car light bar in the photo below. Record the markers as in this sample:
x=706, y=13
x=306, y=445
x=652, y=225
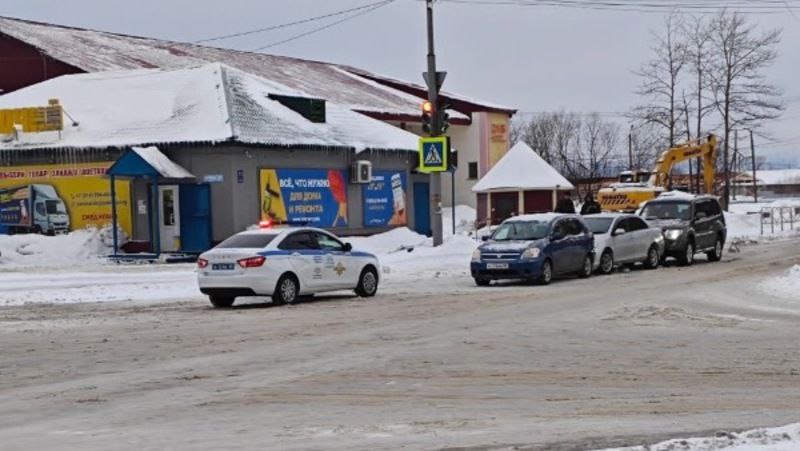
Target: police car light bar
x=265, y=224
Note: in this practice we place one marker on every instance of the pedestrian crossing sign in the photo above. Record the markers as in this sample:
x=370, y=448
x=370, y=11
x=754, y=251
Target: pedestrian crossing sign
x=433, y=154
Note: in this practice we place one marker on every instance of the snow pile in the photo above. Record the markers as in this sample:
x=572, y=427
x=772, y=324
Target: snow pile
x=80, y=247
x=100, y=284
x=465, y=220
x=786, y=438
x=394, y=240
x=407, y=255
x=785, y=286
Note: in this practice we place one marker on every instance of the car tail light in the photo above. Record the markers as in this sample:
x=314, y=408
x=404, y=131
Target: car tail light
x=252, y=262
x=202, y=263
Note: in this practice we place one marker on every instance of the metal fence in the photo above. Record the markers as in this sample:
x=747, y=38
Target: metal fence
x=779, y=218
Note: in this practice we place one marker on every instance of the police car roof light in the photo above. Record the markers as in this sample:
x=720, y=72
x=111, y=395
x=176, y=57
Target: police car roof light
x=265, y=224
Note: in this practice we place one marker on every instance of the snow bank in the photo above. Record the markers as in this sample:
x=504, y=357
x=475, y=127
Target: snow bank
x=785, y=286
x=151, y=283
x=786, y=438
x=465, y=219
x=81, y=247
x=407, y=255
x=744, y=220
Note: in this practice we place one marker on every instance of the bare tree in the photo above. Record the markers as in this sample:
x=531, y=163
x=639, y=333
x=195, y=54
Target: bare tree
x=581, y=149
x=539, y=133
x=660, y=79
x=647, y=143
x=596, y=148
x=566, y=139
x=743, y=97
x=701, y=61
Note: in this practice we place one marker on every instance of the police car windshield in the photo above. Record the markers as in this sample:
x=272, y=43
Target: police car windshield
x=668, y=210
x=521, y=231
x=247, y=241
x=598, y=226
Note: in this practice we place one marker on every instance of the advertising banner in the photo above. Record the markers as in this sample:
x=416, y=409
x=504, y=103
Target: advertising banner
x=498, y=137
x=61, y=197
x=385, y=199
x=15, y=206
x=315, y=197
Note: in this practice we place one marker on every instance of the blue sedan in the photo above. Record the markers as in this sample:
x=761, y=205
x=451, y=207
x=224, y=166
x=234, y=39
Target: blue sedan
x=535, y=248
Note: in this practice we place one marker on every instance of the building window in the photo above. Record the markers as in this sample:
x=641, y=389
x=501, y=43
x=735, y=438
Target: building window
x=472, y=170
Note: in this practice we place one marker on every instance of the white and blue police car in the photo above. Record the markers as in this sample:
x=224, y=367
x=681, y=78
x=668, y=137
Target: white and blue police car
x=284, y=263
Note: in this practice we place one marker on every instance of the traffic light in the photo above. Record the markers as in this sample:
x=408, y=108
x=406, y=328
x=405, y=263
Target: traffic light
x=427, y=116
x=445, y=118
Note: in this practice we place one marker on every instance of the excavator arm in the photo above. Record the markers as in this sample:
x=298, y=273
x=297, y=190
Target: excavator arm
x=705, y=148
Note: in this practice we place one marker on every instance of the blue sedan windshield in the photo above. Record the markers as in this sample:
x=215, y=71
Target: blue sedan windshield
x=521, y=231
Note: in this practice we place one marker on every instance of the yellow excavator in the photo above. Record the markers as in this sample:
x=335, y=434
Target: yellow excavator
x=635, y=187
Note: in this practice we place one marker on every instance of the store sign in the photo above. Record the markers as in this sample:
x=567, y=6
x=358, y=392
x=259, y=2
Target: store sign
x=385, y=199
x=498, y=137
x=433, y=154
x=75, y=194
x=315, y=197
x=213, y=178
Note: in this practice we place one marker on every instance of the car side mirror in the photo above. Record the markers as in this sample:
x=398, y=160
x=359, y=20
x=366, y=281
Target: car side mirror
x=485, y=237
x=348, y=247
x=556, y=236
x=618, y=232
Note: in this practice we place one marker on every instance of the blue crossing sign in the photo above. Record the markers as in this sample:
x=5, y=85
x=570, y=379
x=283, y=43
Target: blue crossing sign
x=433, y=154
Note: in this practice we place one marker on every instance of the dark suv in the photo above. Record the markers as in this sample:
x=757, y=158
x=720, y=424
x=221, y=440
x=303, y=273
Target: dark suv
x=690, y=225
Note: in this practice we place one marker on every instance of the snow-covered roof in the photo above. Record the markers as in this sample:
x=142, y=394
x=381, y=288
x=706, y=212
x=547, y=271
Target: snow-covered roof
x=522, y=169
x=164, y=166
x=776, y=176
x=208, y=103
x=94, y=51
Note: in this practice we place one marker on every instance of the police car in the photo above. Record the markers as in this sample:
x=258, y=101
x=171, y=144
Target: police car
x=285, y=264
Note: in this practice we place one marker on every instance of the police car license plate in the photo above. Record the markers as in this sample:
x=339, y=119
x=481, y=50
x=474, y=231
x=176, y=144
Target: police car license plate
x=222, y=267
x=497, y=266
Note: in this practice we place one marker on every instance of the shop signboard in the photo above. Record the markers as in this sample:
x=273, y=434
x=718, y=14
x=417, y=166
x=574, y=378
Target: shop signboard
x=62, y=196
x=385, y=199
x=314, y=197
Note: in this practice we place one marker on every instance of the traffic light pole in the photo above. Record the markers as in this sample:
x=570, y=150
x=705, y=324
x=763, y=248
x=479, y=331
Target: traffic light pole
x=436, y=129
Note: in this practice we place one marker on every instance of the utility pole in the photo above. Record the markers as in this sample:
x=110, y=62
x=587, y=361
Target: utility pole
x=434, y=84
x=733, y=162
x=630, y=149
x=753, y=163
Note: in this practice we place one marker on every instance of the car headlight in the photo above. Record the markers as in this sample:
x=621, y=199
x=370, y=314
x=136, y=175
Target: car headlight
x=531, y=253
x=673, y=234
x=476, y=255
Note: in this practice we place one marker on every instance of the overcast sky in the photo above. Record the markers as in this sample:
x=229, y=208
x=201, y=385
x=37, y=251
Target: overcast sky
x=532, y=58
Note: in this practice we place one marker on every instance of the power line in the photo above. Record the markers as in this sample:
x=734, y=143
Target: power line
x=651, y=6
x=288, y=24
x=367, y=10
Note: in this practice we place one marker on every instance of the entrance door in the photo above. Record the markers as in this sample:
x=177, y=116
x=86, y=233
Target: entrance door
x=169, y=226
x=195, y=218
x=422, y=208
x=504, y=205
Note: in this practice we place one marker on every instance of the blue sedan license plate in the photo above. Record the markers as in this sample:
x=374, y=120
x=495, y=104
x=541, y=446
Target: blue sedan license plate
x=222, y=267
x=497, y=266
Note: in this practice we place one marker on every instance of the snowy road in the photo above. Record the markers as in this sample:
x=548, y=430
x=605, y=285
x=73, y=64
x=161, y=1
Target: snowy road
x=609, y=361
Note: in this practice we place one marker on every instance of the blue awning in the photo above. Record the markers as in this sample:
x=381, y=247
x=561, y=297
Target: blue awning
x=147, y=162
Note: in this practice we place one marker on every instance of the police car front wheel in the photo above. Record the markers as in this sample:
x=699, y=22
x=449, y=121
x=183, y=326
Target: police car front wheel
x=367, y=283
